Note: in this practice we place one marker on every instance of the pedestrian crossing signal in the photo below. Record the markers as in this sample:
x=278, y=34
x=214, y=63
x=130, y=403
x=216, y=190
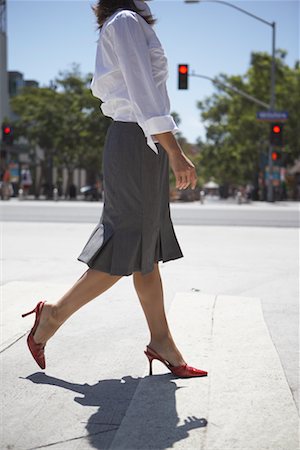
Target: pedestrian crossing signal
x=183, y=73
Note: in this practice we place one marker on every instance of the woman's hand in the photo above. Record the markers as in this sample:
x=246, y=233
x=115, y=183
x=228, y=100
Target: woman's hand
x=184, y=171
x=182, y=166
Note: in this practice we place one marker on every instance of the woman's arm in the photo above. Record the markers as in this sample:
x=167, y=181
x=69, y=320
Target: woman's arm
x=182, y=166
x=151, y=108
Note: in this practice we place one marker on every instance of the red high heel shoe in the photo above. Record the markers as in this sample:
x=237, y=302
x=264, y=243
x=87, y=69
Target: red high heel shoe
x=37, y=350
x=183, y=371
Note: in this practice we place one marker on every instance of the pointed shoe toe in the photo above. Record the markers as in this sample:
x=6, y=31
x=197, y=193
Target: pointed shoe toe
x=186, y=371
x=37, y=351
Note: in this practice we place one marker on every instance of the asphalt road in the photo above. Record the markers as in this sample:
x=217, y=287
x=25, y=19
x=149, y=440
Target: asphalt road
x=213, y=212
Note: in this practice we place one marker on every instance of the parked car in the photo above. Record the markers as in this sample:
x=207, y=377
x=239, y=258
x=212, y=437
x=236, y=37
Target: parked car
x=91, y=192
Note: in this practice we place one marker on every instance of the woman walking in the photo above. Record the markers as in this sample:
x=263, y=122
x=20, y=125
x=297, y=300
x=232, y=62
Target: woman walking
x=135, y=231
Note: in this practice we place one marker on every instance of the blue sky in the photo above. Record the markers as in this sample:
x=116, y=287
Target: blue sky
x=45, y=37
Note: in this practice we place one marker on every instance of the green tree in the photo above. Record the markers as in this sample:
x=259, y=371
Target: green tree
x=65, y=121
x=234, y=137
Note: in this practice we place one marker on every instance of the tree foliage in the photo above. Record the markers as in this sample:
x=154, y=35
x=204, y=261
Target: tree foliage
x=64, y=120
x=235, y=139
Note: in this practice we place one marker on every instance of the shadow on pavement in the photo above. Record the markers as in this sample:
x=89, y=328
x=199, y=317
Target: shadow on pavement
x=156, y=417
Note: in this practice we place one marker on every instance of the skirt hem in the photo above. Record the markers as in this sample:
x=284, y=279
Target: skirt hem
x=130, y=271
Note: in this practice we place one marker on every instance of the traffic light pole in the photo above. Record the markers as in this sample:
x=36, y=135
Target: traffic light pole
x=225, y=86
x=270, y=193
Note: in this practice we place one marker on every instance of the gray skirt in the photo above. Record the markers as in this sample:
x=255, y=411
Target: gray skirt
x=135, y=229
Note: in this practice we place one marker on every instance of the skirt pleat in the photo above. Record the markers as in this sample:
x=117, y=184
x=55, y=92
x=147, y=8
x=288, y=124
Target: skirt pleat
x=135, y=229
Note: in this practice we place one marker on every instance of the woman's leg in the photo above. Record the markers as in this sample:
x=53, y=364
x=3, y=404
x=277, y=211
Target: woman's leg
x=91, y=284
x=150, y=292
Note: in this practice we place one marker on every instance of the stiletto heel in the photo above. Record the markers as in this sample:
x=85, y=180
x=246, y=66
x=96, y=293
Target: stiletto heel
x=150, y=359
x=37, y=350
x=30, y=312
x=183, y=371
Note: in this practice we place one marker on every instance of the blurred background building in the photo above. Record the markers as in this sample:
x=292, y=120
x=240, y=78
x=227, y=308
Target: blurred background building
x=20, y=156
x=4, y=98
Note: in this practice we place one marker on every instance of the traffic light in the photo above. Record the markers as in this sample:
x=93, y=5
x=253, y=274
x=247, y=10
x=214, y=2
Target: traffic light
x=7, y=134
x=276, y=134
x=276, y=156
x=183, y=73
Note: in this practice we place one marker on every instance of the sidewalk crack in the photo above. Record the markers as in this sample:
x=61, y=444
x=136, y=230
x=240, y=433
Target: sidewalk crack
x=12, y=343
x=115, y=427
x=203, y=447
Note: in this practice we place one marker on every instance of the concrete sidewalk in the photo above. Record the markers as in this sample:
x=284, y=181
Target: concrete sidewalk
x=232, y=311
x=244, y=403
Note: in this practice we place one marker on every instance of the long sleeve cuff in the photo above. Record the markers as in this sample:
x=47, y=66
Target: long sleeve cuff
x=157, y=125
x=161, y=124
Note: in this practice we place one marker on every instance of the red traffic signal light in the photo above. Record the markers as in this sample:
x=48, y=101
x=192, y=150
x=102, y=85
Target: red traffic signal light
x=7, y=134
x=276, y=134
x=183, y=68
x=183, y=73
x=276, y=156
x=276, y=129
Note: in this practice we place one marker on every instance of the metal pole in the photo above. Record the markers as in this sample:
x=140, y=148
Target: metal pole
x=222, y=2
x=270, y=195
x=239, y=9
x=224, y=86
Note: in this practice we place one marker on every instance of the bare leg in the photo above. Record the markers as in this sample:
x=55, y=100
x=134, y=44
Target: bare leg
x=91, y=284
x=150, y=292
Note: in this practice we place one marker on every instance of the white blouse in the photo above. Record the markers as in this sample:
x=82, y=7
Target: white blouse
x=130, y=75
